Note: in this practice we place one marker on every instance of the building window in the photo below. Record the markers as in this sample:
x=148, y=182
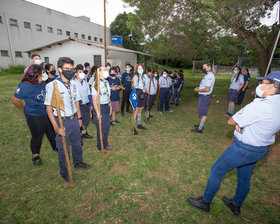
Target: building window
x=4, y=53
x=95, y=38
x=83, y=36
x=68, y=33
x=50, y=29
x=101, y=40
x=89, y=37
x=59, y=32
x=27, y=25
x=1, y=19
x=47, y=60
x=18, y=54
x=38, y=27
x=76, y=35
x=13, y=22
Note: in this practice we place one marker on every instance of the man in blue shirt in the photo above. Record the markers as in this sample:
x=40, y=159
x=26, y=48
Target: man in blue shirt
x=255, y=128
x=126, y=80
x=177, y=89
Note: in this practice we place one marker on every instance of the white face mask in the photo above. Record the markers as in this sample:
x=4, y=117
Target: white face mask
x=259, y=92
x=164, y=75
x=45, y=77
x=82, y=75
x=155, y=75
x=37, y=62
x=105, y=74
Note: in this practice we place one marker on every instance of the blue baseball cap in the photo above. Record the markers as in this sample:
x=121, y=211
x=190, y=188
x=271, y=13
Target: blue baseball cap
x=274, y=76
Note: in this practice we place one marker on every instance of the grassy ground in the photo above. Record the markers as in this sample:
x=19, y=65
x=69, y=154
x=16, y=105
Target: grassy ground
x=147, y=178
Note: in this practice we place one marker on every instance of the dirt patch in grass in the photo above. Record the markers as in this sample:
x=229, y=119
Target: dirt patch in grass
x=274, y=155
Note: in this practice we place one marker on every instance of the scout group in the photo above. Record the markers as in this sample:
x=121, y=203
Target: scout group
x=255, y=125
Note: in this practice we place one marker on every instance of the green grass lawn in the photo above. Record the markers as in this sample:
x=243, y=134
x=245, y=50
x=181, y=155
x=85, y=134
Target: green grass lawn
x=147, y=178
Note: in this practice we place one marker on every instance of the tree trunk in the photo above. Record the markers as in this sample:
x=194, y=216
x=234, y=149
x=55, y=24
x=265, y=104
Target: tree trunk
x=263, y=59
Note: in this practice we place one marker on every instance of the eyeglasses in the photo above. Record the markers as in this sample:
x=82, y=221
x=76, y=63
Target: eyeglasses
x=267, y=83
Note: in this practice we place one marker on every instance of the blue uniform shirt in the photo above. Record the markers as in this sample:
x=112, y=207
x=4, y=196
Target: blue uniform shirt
x=259, y=120
x=114, y=93
x=177, y=82
x=34, y=96
x=246, y=78
x=165, y=82
x=70, y=96
x=236, y=84
x=105, y=91
x=208, y=80
x=153, y=87
x=84, y=90
x=126, y=79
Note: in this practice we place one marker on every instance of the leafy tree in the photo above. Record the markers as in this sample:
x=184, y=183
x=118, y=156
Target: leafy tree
x=122, y=26
x=189, y=25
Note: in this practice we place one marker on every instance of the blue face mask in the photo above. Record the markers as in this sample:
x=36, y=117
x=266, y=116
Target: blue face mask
x=235, y=72
x=140, y=71
x=127, y=69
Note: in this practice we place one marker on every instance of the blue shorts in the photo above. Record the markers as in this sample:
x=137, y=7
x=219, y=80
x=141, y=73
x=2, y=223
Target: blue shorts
x=232, y=95
x=85, y=111
x=203, y=103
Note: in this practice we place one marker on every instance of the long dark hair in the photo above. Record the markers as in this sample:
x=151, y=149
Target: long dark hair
x=136, y=71
x=32, y=74
x=238, y=73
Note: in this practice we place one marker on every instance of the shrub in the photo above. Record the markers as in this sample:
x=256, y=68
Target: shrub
x=15, y=69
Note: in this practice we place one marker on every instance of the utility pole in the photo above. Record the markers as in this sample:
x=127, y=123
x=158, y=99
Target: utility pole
x=105, y=37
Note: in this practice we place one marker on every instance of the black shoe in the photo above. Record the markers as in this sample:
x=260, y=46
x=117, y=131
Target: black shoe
x=55, y=150
x=171, y=103
x=86, y=135
x=177, y=104
x=197, y=130
x=228, y=115
x=140, y=126
x=229, y=203
x=129, y=111
x=108, y=148
x=151, y=116
x=37, y=161
x=199, y=203
x=122, y=114
x=82, y=165
x=197, y=125
x=134, y=132
x=111, y=124
x=115, y=122
x=66, y=178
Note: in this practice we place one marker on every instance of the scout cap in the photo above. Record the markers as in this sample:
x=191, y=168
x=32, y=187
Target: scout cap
x=274, y=76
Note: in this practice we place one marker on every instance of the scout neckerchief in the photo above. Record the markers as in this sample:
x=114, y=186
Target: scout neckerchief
x=107, y=91
x=68, y=85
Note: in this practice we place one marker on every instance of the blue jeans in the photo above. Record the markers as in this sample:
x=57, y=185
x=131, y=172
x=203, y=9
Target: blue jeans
x=241, y=156
x=176, y=95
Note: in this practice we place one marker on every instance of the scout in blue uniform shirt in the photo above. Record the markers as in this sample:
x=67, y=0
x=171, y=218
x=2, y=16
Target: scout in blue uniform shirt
x=164, y=84
x=126, y=81
x=71, y=117
x=236, y=84
x=204, y=91
x=115, y=86
x=151, y=83
x=51, y=72
x=177, y=89
x=105, y=108
x=255, y=128
x=242, y=92
x=84, y=91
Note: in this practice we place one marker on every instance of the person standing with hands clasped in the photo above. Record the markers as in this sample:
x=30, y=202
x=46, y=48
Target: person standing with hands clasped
x=126, y=81
x=105, y=107
x=204, y=91
x=255, y=128
x=71, y=117
x=32, y=90
x=164, y=92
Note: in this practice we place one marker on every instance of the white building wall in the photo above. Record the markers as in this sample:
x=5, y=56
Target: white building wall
x=24, y=39
x=121, y=58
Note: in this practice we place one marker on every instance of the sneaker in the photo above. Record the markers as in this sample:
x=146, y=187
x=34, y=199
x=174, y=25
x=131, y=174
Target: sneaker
x=197, y=125
x=228, y=115
x=199, y=203
x=134, y=132
x=117, y=122
x=86, y=135
x=82, y=165
x=234, y=208
x=169, y=111
x=160, y=112
x=122, y=114
x=108, y=147
x=129, y=111
x=37, y=161
x=111, y=124
x=140, y=126
x=197, y=130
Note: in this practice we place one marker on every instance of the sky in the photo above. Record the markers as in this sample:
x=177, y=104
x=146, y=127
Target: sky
x=94, y=9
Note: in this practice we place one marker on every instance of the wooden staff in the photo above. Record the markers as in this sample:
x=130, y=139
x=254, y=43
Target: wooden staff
x=99, y=108
x=57, y=102
x=147, y=111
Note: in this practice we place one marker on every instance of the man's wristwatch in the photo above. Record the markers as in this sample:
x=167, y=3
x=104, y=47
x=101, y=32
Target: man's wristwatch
x=80, y=118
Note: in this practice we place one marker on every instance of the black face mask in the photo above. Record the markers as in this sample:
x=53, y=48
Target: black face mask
x=68, y=74
x=204, y=71
x=53, y=72
x=112, y=75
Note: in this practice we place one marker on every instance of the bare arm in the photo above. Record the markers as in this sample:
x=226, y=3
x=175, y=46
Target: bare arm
x=246, y=84
x=233, y=123
x=240, y=87
x=56, y=128
x=94, y=101
x=17, y=102
x=79, y=113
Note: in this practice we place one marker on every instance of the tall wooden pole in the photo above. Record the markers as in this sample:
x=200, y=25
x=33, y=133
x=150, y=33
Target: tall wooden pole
x=99, y=108
x=105, y=36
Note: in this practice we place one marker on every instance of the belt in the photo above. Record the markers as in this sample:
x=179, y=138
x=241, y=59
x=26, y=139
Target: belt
x=164, y=87
x=68, y=117
x=107, y=104
x=204, y=95
x=87, y=104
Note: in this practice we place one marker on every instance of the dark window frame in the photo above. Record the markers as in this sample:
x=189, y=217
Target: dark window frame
x=6, y=53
